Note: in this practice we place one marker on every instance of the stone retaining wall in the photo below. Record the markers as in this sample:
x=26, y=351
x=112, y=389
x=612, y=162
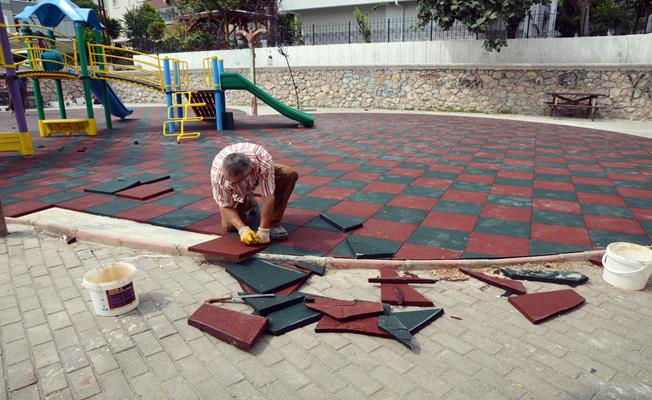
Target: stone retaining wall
x=517, y=90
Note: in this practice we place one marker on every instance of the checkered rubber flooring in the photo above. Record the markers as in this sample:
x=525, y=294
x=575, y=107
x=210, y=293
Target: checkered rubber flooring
x=428, y=187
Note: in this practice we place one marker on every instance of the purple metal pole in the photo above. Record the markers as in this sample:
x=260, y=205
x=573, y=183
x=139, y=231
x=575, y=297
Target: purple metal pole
x=12, y=84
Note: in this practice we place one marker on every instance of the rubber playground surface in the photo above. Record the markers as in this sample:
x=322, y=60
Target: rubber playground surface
x=426, y=186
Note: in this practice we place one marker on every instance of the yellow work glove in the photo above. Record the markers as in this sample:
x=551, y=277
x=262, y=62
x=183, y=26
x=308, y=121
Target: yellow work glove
x=248, y=237
x=263, y=235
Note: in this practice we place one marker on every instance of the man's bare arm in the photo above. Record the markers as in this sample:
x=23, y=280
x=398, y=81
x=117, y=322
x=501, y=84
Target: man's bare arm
x=267, y=210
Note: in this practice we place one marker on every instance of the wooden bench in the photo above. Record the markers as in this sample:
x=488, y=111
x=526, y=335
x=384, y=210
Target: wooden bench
x=575, y=101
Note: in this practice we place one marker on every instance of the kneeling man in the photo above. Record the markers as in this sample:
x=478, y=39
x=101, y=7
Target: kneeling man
x=236, y=172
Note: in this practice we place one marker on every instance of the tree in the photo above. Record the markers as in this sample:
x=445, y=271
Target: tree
x=113, y=28
x=137, y=26
x=363, y=24
x=479, y=16
x=584, y=7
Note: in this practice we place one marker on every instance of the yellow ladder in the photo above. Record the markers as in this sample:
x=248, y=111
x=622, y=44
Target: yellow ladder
x=182, y=134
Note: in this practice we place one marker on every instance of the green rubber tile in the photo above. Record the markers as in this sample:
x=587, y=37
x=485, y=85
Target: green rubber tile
x=617, y=170
x=412, y=165
x=316, y=269
x=439, y=175
x=480, y=171
x=347, y=183
x=179, y=218
x=557, y=218
x=599, y=189
x=373, y=169
x=503, y=227
x=513, y=182
x=400, y=179
x=518, y=157
x=342, y=223
x=316, y=164
x=368, y=247
x=634, y=202
x=290, y=318
x=545, y=164
x=475, y=255
x=542, y=248
x=443, y=238
x=592, y=174
x=113, y=186
x=71, y=184
x=178, y=200
x=342, y=250
x=488, y=160
x=607, y=211
x=371, y=197
x=113, y=207
x=60, y=197
x=552, y=177
x=263, y=276
x=301, y=189
x=634, y=184
x=647, y=225
x=414, y=321
x=180, y=186
x=400, y=214
x=265, y=305
x=333, y=173
x=603, y=238
x=392, y=325
x=521, y=168
x=149, y=177
x=555, y=194
x=313, y=203
x=458, y=207
x=421, y=191
x=470, y=186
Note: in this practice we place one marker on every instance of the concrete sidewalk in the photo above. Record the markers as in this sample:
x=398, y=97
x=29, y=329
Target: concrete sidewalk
x=52, y=344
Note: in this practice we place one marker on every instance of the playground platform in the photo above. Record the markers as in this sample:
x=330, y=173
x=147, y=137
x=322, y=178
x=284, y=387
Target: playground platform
x=427, y=186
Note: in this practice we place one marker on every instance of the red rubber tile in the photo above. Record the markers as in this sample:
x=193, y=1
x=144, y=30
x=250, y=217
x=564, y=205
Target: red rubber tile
x=330, y=159
x=86, y=201
x=401, y=294
x=456, y=222
x=551, y=185
x=228, y=247
x=314, y=239
x=210, y=226
x=332, y=193
x=298, y=216
x=344, y=310
x=486, y=179
x=362, y=326
x=432, y=183
x=613, y=224
x=355, y=208
x=360, y=176
x=343, y=166
x=506, y=212
x=554, y=171
x=24, y=207
x=589, y=180
x=419, y=203
x=631, y=192
x=515, y=174
x=389, y=230
x=36, y=193
x=383, y=187
x=207, y=205
x=145, y=212
x=314, y=180
x=606, y=199
x=144, y=192
x=236, y=328
x=447, y=168
x=560, y=234
x=537, y=307
x=497, y=245
x=411, y=251
x=464, y=195
x=556, y=205
x=512, y=190
x=506, y=284
x=643, y=214
x=383, y=163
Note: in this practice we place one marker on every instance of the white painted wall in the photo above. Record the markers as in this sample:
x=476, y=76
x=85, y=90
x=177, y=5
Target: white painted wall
x=630, y=49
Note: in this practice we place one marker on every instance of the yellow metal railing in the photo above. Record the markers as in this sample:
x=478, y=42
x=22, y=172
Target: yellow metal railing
x=182, y=134
x=110, y=62
x=184, y=75
x=207, y=72
x=33, y=50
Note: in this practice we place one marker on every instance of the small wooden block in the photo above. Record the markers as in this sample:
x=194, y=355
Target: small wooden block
x=506, y=284
x=344, y=310
x=227, y=247
x=239, y=329
x=537, y=307
x=341, y=222
x=144, y=192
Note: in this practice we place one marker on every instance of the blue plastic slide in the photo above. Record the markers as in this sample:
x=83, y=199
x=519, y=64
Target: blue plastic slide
x=117, y=108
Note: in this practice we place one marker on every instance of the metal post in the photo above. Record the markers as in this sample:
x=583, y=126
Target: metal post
x=177, y=87
x=83, y=64
x=167, y=81
x=313, y=34
x=38, y=99
x=217, y=89
x=431, y=23
x=220, y=64
x=388, y=30
x=12, y=83
x=349, y=32
x=57, y=85
x=105, y=86
x=527, y=35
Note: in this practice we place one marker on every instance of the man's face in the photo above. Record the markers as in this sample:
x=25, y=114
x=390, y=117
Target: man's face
x=234, y=178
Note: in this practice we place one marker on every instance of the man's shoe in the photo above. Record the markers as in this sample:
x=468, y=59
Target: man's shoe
x=278, y=233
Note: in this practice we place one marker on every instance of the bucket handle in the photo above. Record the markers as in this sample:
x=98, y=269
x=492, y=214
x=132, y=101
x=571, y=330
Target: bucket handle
x=604, y=265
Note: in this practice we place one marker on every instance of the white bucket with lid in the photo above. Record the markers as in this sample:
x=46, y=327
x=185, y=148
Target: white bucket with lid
x=112, y=289
x=627, y=265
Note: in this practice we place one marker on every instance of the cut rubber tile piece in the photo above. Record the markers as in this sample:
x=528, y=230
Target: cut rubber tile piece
x=263, y=276
x=25, y=207
x=144, y=192
x=394, y=326
x=316, y=269
x=414, y=321
x=265, y=305
x=113, y=186
x=407, y=277
x=342, y=222
x=506, y=284
x=400, y=294
x=597, y=261
x=290, y=318
x=571, y=278
x=362, y=326
x=537, y=307
x=368, y=247
x=344, y=310
x=286, y=291
x=239, y=329
x=227, y=247
x=147, y=178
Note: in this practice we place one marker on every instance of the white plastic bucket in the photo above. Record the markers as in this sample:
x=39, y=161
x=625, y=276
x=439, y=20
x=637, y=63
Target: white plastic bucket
x=627, y=265
x=112, y=289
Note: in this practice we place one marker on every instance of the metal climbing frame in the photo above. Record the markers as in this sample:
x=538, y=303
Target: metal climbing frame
x=114, y=63
x=181, y=118
x=41, y=52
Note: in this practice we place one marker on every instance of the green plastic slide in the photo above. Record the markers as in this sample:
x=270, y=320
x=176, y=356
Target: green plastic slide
x=235, y=81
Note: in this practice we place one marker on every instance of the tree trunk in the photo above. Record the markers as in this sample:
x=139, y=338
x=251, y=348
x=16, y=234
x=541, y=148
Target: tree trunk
x=3, y=223
x=585, y=12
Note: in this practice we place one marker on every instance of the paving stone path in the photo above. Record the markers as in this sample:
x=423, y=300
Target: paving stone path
x=53, y=346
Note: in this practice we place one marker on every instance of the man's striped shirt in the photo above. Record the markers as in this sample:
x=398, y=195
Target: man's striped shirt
x=228, y=194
